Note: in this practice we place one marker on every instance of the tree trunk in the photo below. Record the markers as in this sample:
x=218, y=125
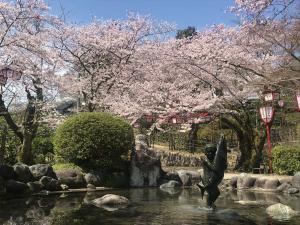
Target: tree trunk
x=29, y=131
x=193, y=137
x=30, y=122
x=259, y=150
x=3, y=143
x=245, y=148
x=25, y=151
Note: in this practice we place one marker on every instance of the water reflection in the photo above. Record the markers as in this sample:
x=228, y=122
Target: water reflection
x=149, y=206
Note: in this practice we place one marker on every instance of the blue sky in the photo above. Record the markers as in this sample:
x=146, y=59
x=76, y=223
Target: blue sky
x=198, y=13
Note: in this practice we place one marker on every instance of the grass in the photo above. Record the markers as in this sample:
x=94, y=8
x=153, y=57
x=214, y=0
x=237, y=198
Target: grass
x=66, y=166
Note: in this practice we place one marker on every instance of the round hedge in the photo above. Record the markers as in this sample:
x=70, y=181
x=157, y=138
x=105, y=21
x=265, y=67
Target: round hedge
x=286, y=159
x=93, y=140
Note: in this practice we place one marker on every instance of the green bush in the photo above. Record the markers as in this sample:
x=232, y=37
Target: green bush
x=42, y=146
x=286, y=159
x=93, y=140
x=9, y=143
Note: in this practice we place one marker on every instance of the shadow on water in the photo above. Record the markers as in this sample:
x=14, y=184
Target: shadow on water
x=149, y=207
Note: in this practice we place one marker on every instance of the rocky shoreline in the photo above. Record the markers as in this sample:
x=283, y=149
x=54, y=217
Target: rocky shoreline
x=41, y=178
x=244, y=181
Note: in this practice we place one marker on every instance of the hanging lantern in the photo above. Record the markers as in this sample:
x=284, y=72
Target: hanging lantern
x=270, y=96
x=281, y=103
x=6, y=73
x=298, y=100
x=174, y=120
x=266, y=114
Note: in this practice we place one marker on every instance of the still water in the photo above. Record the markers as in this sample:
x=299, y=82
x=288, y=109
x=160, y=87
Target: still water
x=149, y=207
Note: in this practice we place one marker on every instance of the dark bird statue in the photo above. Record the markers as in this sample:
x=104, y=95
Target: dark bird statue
x=213, y=171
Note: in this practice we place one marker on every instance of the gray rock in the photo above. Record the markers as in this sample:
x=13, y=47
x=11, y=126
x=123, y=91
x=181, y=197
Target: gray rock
x=40, y=170
x=233, y=181
x=50, y=184
x=16, y=187
x=292, y=190
x=72, y=178
x=35, y=186
x=185, y=177
x=145, y=166
x=271, y=184
x=195, y=176
x=296, y=180
x=281, y=212
x=284, y=187
x=64, y=187
x=170, y=184
x=92, y=178
x=171, y=176
x=91, y=186
x=245, y=181
x=260, y=183
x=7, y=172
x=111, y=202
x=285, y=180
x=23, y=173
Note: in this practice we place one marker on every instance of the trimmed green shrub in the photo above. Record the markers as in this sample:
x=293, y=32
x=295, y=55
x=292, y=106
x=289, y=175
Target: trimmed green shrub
x=93, y=140
x=286, y=159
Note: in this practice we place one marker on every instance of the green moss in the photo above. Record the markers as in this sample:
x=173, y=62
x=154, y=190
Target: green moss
x=66, y=166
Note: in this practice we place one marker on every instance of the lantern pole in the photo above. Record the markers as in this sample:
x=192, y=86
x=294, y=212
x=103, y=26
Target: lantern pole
x=267, y=115
x=269, y=147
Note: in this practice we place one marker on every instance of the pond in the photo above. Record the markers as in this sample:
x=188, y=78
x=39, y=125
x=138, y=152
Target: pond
x=149, y=206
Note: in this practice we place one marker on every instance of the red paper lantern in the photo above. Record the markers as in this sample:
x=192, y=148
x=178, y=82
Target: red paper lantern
x=298, y=100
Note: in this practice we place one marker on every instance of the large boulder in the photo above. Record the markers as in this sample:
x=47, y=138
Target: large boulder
x=170, y=184
x=93, y=178
x=245, y=181
x=40, y=170
x=292, y=191
x=233, y=182
x=271, y=184
x=35, y=186
x=185, y=177
x=145, y=166
x=196, y=176
x=111, y=202
x=281, y=212
x=16, y=187
x=284, y=187
x=168, y=176
x=296, y=180
x=23, y=173
x=50, y=184
x=260, y=183
x=72, y=178
x=7, y=172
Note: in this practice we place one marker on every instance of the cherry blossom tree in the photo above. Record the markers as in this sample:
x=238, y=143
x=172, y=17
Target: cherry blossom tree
x=102, y=54
x=26, y=47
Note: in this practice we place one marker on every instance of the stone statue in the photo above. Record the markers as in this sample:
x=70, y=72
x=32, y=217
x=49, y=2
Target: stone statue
x=213, y=171
x=145, y=166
